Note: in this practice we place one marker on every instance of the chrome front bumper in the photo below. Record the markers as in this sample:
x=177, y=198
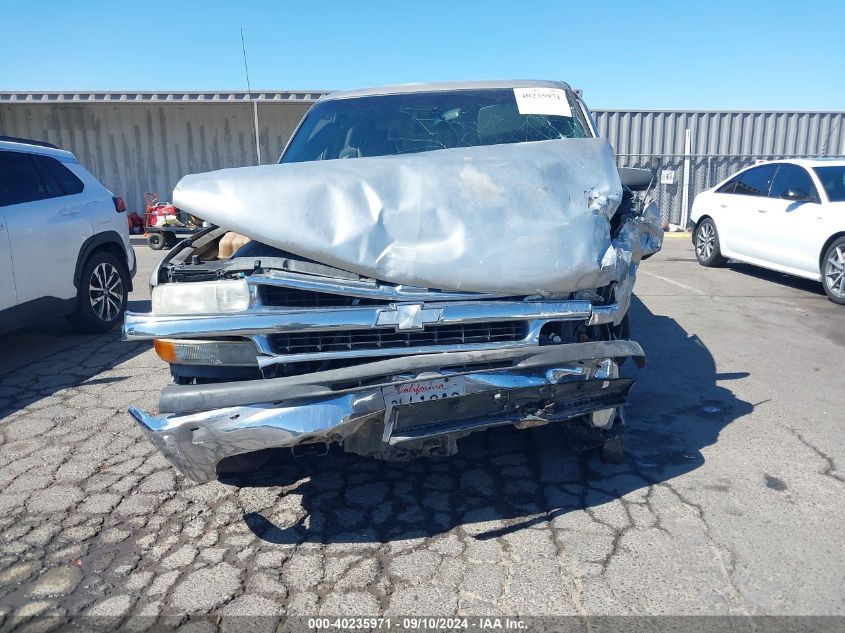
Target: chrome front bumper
x=211, y=422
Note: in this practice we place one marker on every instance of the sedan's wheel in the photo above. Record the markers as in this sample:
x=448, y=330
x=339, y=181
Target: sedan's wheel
x=833, y=271
x=707, y=244
x=102, y=294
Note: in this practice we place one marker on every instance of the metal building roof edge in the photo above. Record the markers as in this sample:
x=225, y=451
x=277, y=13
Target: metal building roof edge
x=302, y=96
x=709, y=111
x=158, y=96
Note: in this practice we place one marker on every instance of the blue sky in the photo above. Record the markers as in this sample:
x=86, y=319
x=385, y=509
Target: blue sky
x=680, y=54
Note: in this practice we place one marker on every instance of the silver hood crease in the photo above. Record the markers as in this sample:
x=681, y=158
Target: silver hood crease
x=515, y=219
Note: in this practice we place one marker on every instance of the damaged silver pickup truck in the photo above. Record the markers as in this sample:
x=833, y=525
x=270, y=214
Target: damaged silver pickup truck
x=471, y=267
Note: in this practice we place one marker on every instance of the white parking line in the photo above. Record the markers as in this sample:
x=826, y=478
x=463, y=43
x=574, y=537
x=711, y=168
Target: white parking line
x=673, y=282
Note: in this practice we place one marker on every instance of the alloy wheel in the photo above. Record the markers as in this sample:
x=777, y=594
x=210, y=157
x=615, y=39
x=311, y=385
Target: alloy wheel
x=705, y=241
x=834, y=272
x=105, y=291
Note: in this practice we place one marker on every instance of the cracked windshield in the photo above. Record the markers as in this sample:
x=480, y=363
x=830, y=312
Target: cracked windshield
x=421, y=122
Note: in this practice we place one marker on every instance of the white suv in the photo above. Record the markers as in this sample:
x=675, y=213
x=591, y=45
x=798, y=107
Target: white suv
x=64, y=240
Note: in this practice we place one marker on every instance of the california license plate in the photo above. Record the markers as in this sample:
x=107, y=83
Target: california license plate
x=423, y=390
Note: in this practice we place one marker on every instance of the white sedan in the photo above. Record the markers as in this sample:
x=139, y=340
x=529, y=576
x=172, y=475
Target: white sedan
x=785, y=215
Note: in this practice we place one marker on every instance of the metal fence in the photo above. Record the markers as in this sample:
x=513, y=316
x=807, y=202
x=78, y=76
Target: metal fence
x=680, y=177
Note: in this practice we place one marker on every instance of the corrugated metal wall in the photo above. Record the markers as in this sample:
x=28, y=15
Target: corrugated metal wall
x=136, y=142
x=724, y=133
x=133, y=147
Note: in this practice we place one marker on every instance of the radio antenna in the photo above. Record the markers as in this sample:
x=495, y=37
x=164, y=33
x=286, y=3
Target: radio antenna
x=253, y=102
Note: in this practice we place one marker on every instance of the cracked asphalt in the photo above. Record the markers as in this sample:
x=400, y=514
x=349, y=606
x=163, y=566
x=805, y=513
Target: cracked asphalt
x=729, y=501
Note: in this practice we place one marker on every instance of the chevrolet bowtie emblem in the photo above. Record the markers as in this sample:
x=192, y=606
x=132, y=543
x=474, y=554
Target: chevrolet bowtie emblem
x=408, y=316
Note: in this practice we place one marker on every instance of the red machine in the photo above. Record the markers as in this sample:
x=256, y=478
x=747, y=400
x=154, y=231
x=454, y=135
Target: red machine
x=162, y=221
x=157, y=210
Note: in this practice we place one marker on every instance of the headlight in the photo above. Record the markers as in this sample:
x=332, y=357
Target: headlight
x=201, y=297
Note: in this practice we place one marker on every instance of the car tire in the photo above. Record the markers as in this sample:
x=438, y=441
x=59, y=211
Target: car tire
x=102, y=294
x=156, y=241
x=613, y=450
x=833, y=271
x=706, y=242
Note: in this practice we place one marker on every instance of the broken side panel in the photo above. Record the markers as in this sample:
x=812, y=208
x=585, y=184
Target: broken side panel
x=525, y=218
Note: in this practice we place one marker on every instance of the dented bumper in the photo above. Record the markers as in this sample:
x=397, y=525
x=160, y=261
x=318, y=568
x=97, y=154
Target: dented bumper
x=205, y=424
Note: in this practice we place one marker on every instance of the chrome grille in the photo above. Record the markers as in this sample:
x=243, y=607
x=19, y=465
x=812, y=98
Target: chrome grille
x=387, y=338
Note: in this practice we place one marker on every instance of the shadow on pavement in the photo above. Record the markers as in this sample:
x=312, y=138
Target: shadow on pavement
x=50, y=355
x=505, y=479
x=799, y=283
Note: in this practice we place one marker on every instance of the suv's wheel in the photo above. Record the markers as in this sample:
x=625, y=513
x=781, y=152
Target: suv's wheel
x=833, y=271
x=707, y=244
x=101, y=299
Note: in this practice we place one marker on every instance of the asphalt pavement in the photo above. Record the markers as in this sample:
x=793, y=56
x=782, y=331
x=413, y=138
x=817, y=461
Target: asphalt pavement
x=729, y=500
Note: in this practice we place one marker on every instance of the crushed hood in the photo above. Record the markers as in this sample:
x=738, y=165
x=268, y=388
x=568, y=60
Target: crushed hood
x=524, y=218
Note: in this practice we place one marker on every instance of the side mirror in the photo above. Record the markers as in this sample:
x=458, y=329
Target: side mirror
x=797, y=195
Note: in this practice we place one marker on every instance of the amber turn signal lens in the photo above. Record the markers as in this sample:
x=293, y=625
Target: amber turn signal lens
x=166, y=350
x=194, y=352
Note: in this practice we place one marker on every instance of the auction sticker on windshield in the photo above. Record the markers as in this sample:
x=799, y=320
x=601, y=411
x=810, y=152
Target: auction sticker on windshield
x=548, y=101
x=420, y=390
